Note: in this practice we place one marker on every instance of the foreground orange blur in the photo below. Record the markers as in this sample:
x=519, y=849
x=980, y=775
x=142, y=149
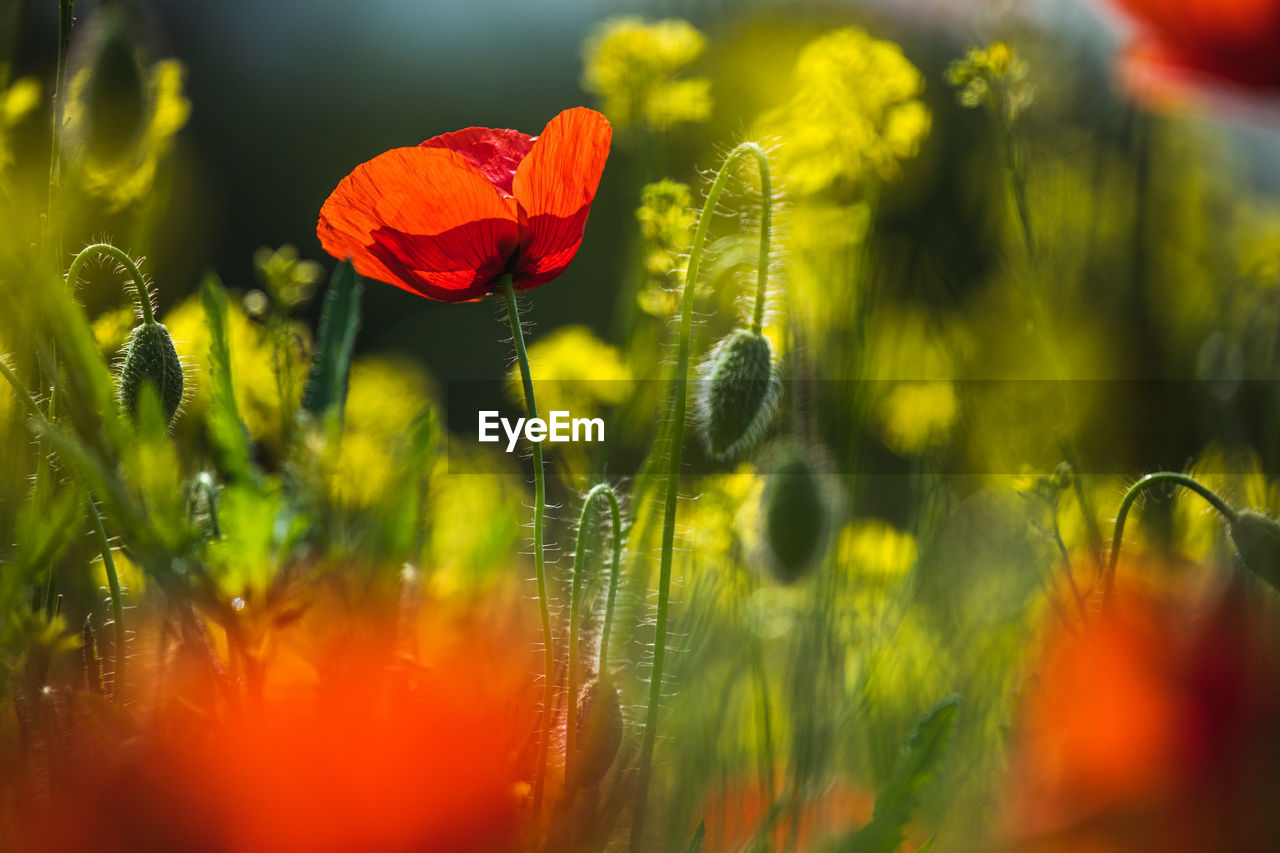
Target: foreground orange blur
x=1153, y=726
x=352, y=745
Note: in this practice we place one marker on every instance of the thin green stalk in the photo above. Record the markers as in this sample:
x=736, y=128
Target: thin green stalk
x=1132, y=495
x=539, y=558
x=600, y=490
x=141, y=296
x=50, y=236
x=675, y=449
x=766, y=235
x=117, y=602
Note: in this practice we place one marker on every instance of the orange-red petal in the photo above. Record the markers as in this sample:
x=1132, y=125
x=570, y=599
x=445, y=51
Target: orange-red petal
x=495, y=152
x=555, y=185
x=423, y=219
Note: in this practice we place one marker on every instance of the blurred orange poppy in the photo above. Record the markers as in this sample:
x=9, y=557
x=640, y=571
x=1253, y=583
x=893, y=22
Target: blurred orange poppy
x=352, y=746
x=1152, y=728
x=449, y=218
x=1184, y=45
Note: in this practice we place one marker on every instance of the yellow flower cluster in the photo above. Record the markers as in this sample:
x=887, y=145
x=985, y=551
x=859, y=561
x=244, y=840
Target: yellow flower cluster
x=16, y=103
x=633, y=65
x=575, y=372
x=855, y=112
x=993, y=77
x=667, y=220
x=122, y=177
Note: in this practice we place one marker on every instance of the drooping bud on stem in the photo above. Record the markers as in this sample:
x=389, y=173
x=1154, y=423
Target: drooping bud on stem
x=599, y=732
x=738, y=395
x=795, y=515
x=1257, y=540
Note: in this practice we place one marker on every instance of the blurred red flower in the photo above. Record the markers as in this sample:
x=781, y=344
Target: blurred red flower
x=449, y=218
x=1189, y=45
x=1154, y=727
x=369, y=749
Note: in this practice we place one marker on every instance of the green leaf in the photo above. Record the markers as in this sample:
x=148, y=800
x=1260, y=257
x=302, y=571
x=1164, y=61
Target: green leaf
x=327, y=385
x=918, y=761
x=699, y=835
x=226, y=430
x=48, y=528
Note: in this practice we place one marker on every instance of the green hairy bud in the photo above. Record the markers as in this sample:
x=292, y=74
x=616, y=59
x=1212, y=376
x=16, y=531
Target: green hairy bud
x=1257, y=540
x=796, y=515
x=738, y=394
x=149, y=356
x=599, y=732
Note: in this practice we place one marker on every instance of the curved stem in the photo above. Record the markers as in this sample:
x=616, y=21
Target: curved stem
x=575, y=615
x=766, y=235
x=141, y=295
x=1132, y=495
x=117, y=602
x=539, y=558
x=675, y=449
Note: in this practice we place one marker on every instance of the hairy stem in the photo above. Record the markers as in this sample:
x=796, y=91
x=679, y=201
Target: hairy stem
x=600, y=490
x=117, y=602
x=675, y=448
x=1132, y=495
x=141, y=296
x=539, y=557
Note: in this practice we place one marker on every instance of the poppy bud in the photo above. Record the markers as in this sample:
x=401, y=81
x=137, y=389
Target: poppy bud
x=795, y=515
x=1257, y=540
x=599, y=732
x=739, y=393
x=149, y=356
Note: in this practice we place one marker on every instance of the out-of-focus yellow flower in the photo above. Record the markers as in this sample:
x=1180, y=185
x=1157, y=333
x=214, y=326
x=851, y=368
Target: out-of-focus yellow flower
x=575, y=372
x=384, y=397
x=993, y=77
x=877, y=549
x=122, y=175
x=632, y=64
x=288, y=279
x=918, y=416
x=252, y=367
x=475, y=514
x=667, y=220
x=111, y=329
x=855, y=112
x=16, y=103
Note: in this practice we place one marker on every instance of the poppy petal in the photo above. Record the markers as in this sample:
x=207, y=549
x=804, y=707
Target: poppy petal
x=555, y=185
x=422, y=219
x=495, y=152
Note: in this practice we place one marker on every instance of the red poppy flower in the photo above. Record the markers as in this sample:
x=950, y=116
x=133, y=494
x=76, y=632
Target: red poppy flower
x=1189, y=45
x=449, y=218
x=1152, y=728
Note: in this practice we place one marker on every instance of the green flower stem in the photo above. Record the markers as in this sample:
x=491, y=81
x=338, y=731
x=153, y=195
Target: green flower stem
x=766, y=236
x=1132, y=495
x=539, y=557
x=50, y=231
x=600, y=490
x=113, y=581
x=117, y=602
x=141, y=296
x=675, y=448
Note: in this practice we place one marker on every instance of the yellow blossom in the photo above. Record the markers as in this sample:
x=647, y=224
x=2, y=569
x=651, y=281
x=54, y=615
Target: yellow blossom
x=16, y=103
x=855, y=112
x=575, y=372
x=124, y=176
x=633, y=65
